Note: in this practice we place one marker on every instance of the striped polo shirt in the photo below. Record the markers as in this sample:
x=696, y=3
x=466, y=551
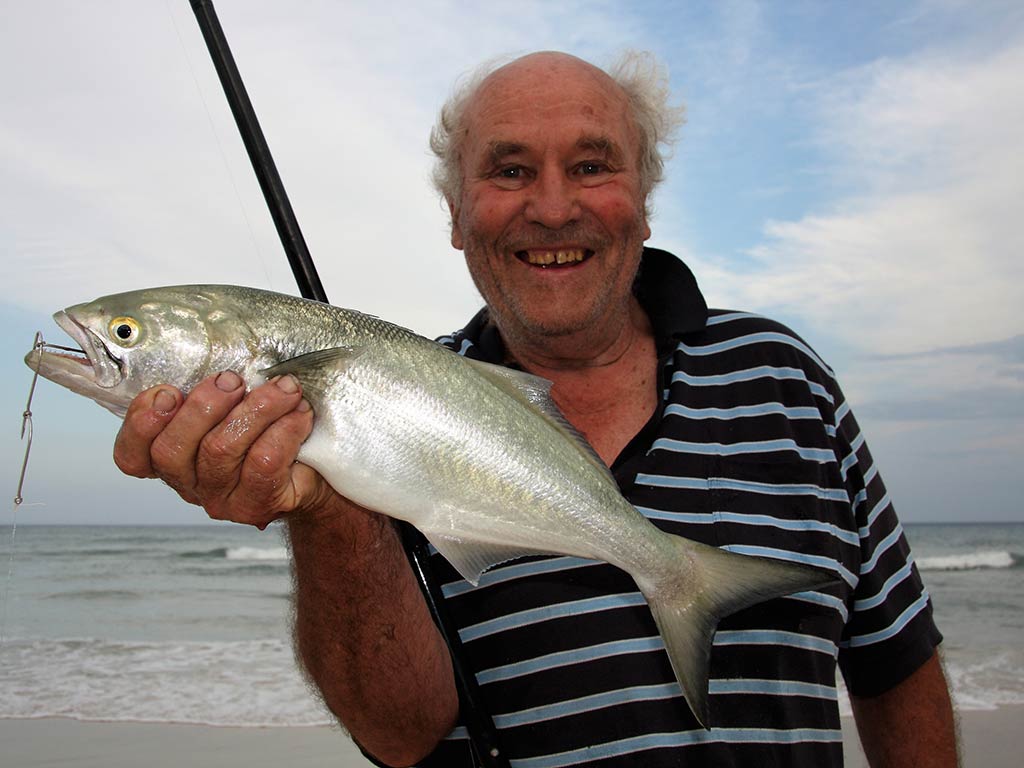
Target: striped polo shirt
x=753, y=449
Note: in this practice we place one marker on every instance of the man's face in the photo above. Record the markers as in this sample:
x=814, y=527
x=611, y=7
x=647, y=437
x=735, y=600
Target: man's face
x=551, y=217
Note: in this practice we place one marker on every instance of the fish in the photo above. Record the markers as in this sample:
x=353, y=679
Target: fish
x=476, y=456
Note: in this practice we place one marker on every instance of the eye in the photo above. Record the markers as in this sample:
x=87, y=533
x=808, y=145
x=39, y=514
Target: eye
x=510, y=176
x=593, y=172
x=124, y=330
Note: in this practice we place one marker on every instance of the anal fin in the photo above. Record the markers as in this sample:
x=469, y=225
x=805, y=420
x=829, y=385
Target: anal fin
x=472, y=558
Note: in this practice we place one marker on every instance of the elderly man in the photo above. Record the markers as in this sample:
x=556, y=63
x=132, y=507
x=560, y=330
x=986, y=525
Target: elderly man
x=720, y=426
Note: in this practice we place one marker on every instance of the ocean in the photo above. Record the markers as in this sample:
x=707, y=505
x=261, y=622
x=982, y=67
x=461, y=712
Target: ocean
x=174, y=624
x=191, y=624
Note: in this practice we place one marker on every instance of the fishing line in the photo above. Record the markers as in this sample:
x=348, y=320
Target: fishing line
x=26, y=429
x=220, y=147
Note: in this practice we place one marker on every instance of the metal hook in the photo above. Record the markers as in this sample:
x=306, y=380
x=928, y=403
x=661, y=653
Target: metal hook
x=26, y=427
x=26, y=416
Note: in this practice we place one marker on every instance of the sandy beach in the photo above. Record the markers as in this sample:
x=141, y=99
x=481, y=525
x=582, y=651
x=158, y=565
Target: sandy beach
x=74, y=744
x=989, y=740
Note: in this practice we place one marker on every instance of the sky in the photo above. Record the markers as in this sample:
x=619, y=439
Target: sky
x=851, y=169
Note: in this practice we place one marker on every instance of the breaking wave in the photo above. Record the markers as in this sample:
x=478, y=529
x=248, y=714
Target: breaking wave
x=969, y=561
x=240, y=553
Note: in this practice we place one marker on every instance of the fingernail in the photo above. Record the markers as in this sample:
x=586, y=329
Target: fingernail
x=288, y=384
x=228, y=381
x=303, y=406
x=164, y=401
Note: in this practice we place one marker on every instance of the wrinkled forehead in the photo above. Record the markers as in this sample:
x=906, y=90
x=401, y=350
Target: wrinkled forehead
x=544, y=87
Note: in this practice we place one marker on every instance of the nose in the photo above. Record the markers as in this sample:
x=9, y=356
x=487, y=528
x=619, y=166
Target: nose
x=552, y=199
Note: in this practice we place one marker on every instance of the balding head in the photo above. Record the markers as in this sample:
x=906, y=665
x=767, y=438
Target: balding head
x=540, y=69
x=636, y=78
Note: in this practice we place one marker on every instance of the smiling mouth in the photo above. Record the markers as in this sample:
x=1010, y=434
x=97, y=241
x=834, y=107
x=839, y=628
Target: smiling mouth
x=554, y=259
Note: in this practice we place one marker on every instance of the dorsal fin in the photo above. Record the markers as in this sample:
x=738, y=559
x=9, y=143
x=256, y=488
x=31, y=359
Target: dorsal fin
x=535, y=392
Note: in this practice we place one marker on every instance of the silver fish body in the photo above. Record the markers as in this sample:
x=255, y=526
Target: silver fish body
x=477, y=457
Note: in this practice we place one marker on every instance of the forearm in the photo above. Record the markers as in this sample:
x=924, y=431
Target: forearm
x=911, y=725
x=365, y=636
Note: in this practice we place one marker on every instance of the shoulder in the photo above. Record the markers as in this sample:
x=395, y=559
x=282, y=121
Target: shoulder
x=744, y=358
x=746, y=338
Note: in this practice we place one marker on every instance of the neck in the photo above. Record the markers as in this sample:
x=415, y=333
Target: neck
x=587, y=350
x=605, y=387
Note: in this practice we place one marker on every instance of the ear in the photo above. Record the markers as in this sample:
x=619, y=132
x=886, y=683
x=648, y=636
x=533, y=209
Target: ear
x=456, y=229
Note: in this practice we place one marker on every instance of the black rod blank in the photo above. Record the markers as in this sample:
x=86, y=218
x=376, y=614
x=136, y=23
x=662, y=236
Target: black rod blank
x=478, y=722
x=259, y=153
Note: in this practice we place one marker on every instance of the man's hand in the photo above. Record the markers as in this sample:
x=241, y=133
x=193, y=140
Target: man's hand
x=229, y=452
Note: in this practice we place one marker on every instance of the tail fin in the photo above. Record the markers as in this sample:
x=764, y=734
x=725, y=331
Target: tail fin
x=716, y=583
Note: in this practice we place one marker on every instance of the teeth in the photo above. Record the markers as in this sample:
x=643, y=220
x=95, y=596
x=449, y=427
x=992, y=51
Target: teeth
x=544, y=258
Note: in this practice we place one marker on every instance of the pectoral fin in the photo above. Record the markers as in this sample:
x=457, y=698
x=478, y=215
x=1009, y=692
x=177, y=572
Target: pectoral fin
x=333, y=357
x=315, y=369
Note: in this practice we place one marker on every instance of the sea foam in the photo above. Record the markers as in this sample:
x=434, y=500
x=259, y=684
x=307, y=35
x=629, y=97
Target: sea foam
x=967, y=561
x=256, y=553
x=247, y=683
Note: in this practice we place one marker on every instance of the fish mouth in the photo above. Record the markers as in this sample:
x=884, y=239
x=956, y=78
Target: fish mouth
x=81, y=370
x=554, y=258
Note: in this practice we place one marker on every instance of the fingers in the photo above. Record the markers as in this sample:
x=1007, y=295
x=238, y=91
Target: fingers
x=148, y=414
x=270, y=482
x=248, y=462
x=230, y=452
x=268, y=469
x=175, y=450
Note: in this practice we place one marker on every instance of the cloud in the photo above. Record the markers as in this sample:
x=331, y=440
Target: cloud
x=1001, y=359
x=976, y=382
x=113, y=179
x=1011, y=350
x=893, y=185
x=922, y=248
x=983, y=403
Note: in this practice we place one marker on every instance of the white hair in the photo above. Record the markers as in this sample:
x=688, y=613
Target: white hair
x=643, y=79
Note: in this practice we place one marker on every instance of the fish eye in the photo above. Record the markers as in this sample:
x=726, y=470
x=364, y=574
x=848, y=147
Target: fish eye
x=124, y=330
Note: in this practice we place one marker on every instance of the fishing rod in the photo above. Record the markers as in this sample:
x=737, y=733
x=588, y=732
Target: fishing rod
x=479, y=724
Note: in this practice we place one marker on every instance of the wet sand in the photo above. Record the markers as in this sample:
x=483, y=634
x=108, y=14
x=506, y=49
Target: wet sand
x=989, y=740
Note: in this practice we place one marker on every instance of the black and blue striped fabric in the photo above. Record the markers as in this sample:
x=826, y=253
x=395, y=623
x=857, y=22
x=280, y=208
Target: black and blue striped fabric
x=754, y=449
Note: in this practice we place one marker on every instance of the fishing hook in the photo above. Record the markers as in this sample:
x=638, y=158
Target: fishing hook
x=26, y=417
x=26, y=429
